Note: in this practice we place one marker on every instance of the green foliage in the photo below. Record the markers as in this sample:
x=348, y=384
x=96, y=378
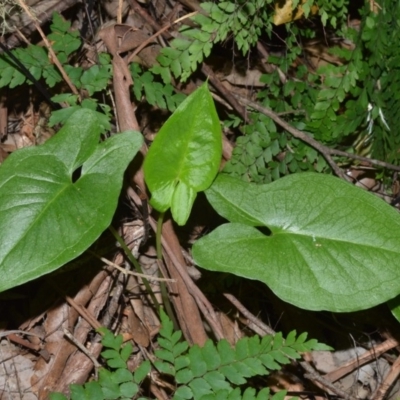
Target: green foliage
x=358, y=97
x=155, y=93
x=394, y=306
x=115, y=381
x=60, y=116
x=245, y=19
x=354, y=98
x=352, y=103
x=333, y=12
x=64, y=40
x=185, y=155
x=94, y=79
x=264, y=155
x=255, y=157
x=382, y=78
x=332, y=245
x=185, y=53
x=43, y=201
x=211, y=372
x=36, y=59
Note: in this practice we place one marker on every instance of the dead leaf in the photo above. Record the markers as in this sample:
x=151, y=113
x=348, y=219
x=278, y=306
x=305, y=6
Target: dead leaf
x=286, y=13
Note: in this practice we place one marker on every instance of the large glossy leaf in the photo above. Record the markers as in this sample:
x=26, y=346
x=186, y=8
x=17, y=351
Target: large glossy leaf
x=332, y=246
x=46, y=217
x=185, y=155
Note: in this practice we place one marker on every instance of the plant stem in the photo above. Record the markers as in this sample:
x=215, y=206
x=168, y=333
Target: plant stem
x=136, y=264
x=160, y=222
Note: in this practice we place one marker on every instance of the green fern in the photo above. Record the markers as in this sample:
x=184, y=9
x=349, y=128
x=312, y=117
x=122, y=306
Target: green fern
x=185, y=53
x=246, y=20
x=264, y=154
x=351, y=104
x=116, y=382
x=214, y=371
x=211, y=372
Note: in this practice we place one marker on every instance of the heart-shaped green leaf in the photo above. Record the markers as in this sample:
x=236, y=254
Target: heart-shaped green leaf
x=47, y=219
x=185, y=155
x=332, y=246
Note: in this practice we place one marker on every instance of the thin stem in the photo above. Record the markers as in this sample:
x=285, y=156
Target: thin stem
x=136, y=264
x=160, y=222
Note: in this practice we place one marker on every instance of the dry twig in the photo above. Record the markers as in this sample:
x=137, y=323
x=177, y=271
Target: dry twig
x=252, y=318
x=49, y=48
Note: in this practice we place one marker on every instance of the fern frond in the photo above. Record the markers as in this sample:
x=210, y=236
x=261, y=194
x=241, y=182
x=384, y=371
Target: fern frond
x=212, y=371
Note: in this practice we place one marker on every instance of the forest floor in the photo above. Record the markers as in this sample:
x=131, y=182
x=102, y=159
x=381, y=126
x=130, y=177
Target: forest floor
x=36, y=356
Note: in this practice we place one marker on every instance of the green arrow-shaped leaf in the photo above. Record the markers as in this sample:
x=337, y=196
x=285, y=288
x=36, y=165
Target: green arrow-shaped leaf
x=332, y=246
x=185, y=155
x=46, y=219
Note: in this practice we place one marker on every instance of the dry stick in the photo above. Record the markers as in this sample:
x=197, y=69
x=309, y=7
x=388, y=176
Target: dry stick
x=373, y=161
x=358, y=361
x=87, y=294
x=189, y=312
x=125, y=114
x=314, y=375
x=119, y=13
x=265, y=328
x=6, y=333
x=81, y=347
x=76, y=366
x=49, y=48
x=12, y=337
x=138, y=9
x=83, y=313
x=327, y=152
x=192, y=5
x=127, y=272
x=202, y=302
x=388, y=381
